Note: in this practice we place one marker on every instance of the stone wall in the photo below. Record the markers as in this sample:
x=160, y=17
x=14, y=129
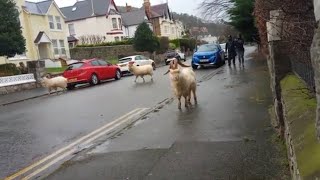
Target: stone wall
x=315, y=58
x=18, y=87
x=110, y=52
x=300, y=133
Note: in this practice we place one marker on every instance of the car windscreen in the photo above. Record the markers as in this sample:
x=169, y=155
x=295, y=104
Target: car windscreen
x=124, y=60
x=75, y=66
x=207, y=47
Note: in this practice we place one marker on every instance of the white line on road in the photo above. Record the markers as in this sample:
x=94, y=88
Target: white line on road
x=71, y=148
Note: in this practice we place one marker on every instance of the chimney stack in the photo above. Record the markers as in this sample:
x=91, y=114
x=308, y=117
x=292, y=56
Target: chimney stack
x=128, y=8
x=147, y=7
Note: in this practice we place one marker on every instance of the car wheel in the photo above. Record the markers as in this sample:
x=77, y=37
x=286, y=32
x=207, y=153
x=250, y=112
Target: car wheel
x=94, y=80
x=71, y=87
x=194, y=67
x=118, y=75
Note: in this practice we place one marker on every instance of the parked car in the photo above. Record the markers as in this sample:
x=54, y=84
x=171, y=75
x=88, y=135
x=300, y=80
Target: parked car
x=170, y=55
x=208, y=55
x=91, y=71
x=138, y=60
x=223, y=47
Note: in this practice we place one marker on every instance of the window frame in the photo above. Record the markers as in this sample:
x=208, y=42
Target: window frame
x=55, y=47
x=62, y=47
x=74, y=31
x=58, y=23
x=51, y=22
x=114, y=22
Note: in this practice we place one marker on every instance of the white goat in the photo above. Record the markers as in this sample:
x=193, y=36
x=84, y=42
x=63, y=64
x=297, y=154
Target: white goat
x=55, y=83
x=141, y=71
x=183, y=82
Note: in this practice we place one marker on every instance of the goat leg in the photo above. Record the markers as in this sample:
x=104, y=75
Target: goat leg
x=136, y=79
x=179, y=104
x=195, y=96
x=143, y=79
x=186, y=101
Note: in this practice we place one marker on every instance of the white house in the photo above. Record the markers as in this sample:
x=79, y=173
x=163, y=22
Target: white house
x=162, y=20
x=132, y=19
x=94, y=17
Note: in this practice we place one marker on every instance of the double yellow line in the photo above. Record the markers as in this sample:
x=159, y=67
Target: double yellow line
x=64, y=152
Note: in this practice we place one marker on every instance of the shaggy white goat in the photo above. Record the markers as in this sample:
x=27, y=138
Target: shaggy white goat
x=55, y=83
x=141, y=71
x=183, y=82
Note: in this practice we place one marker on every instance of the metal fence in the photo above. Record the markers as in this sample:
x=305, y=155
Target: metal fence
x=305, y=71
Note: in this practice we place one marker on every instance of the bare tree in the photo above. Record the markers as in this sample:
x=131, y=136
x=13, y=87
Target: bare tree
x=215, y=9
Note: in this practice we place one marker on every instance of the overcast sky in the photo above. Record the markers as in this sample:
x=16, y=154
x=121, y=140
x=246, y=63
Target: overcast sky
x=180, y=6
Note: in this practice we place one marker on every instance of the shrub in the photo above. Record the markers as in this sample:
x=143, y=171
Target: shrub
x=9, y=69
x=172, y=46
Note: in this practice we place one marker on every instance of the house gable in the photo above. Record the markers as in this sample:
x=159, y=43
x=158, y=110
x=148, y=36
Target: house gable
x=89, y=8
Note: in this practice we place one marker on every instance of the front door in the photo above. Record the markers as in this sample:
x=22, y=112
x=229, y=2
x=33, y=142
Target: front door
x=44, y=51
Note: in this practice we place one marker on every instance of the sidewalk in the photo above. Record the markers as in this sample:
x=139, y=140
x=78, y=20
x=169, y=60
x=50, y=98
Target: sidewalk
x=22, y=96
x=227, y=136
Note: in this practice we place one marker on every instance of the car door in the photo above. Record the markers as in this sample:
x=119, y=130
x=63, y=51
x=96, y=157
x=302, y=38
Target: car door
x=145, y=60
x=97, y=68
x=138, y=61
x=107, y=69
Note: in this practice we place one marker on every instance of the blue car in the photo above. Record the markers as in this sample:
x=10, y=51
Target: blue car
x=208, y=55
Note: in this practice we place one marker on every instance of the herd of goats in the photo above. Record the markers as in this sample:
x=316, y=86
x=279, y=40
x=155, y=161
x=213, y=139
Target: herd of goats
x=182, y=77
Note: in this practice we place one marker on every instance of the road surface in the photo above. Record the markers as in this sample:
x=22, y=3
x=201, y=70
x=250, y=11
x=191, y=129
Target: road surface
x=231, y=117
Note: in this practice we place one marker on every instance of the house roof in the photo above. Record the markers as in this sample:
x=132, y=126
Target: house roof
x=134, y=17
x=72, y=39
x=40, y=8
x=42, y=38
x=85, y=9
x=160, y=9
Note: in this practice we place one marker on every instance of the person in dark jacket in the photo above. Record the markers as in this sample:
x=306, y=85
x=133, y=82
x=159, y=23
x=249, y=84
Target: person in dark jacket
x=240, y=49
x=231, y=50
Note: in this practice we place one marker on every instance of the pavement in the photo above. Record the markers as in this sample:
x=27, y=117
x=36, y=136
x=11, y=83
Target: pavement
x=227, y=136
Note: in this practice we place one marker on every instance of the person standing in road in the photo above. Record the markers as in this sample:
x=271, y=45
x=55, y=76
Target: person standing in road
x=240, y=49
x=231, y=50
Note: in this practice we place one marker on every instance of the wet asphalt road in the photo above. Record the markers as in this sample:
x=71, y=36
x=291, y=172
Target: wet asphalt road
x=226, y=136
x=32, y=129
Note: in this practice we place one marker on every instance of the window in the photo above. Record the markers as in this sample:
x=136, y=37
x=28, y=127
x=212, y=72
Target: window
x=58, y=47
x=62, y=47
x=71, y=45
x=114, y=23
x=58, y=20
x=172, y=30
x=122, y=38
x=102, y=63
x=117, y=38
x=143, y=58
x=137, y=58
x=55, y=46
x=120, y=23
x=95, y=63
x=51, y=22
x=166, y=29
x=71, y=29
x=124, y=60
x=207, y=47
x=75, y=66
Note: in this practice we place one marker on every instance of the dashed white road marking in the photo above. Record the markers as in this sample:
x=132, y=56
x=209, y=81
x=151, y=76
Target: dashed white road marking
x=64, y=152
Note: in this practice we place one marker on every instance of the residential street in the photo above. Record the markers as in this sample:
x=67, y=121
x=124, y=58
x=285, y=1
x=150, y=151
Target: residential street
x=227, y=136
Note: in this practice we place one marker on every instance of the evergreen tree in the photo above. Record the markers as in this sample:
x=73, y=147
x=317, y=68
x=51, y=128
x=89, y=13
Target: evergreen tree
x=144, y=39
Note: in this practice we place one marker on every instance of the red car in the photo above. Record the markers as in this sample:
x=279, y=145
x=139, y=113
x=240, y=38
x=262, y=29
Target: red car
x=90, y=71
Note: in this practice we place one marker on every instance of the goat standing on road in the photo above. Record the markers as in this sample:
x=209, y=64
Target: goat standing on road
x=183, y=82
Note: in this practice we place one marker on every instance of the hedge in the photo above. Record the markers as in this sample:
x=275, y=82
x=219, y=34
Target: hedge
x=9, y=69
x=125, y=42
